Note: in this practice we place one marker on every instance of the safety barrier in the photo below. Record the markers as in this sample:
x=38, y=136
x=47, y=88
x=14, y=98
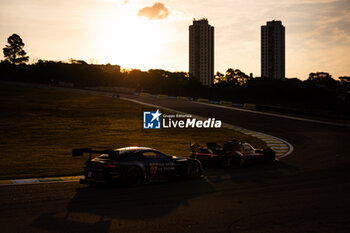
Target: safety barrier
x=249, y=106
x=227, y=103
x=144, y=94
x=214, y=102
x=182, y=98
x=162, y=96
x=201, y=100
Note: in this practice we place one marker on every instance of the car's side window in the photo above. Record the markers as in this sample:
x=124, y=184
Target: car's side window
x=153, y=155
x=160, y=155
x=149, y=154
x=133, y=157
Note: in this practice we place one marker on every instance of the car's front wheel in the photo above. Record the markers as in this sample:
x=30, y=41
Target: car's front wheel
x=133, y=177
x=271, y=155
x=193, y=170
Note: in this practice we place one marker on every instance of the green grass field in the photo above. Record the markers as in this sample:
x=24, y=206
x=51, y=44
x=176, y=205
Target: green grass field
x=39, y=127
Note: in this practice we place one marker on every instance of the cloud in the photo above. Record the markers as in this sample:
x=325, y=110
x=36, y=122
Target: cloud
x=157, y=11
x=330, y=28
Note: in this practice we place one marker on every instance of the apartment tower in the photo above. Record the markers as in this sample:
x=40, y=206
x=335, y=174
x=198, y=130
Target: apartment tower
x=202, y=51
x=273, y=50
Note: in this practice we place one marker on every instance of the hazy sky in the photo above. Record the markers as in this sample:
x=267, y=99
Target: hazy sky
x=154, y=34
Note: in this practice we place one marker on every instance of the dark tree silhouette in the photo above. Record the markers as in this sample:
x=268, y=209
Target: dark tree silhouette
x=344, y=79
x=219, y=77
x=232, y=77
x=322, y=79
x=75, y=61
x=14, y=52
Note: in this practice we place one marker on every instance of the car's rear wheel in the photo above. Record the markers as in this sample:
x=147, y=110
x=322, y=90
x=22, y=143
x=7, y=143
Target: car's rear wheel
x=193, y=170
x=133, y=177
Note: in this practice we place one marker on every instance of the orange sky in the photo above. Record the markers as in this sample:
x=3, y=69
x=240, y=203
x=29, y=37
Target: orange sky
x=154, y=34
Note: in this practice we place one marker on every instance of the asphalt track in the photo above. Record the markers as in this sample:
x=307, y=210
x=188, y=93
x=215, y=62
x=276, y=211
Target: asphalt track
x=307, y=191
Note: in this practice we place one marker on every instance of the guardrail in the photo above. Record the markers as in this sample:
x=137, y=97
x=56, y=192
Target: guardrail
x=248, y=106
x=201, y=100
x=144, y=94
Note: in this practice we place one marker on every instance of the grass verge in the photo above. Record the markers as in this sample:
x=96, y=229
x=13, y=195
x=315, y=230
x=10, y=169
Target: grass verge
x=39, y=127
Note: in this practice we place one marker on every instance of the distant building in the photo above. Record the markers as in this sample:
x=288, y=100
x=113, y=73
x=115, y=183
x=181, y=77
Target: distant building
x=202, y=51
x=273, y=50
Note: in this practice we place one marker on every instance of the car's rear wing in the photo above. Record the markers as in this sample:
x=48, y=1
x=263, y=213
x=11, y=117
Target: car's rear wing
x=81, y=151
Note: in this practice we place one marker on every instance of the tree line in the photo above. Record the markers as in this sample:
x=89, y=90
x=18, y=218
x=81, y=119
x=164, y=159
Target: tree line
x=319, y=93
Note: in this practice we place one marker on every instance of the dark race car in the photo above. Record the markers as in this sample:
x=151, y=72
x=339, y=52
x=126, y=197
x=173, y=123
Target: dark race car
x=135, y=165
x=233, y=153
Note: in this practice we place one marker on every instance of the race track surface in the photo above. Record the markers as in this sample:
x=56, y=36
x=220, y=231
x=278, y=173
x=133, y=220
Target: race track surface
x=307, y=191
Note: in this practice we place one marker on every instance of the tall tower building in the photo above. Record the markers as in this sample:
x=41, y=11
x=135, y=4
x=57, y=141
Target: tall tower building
x=202, y=51
x=273, y=50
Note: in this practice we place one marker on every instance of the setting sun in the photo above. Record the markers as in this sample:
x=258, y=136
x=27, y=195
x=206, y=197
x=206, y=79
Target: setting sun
x=127, y=39
x=129, y=43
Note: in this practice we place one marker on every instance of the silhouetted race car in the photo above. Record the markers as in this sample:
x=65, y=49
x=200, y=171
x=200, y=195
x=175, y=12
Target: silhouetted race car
x=233, y=153
x=135, y=165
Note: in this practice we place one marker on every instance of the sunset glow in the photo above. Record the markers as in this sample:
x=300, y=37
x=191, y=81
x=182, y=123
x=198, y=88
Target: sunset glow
x=154, y=34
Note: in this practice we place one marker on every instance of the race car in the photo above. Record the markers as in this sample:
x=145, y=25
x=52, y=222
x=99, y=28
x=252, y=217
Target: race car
x=134, y=166
x=233, y=153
